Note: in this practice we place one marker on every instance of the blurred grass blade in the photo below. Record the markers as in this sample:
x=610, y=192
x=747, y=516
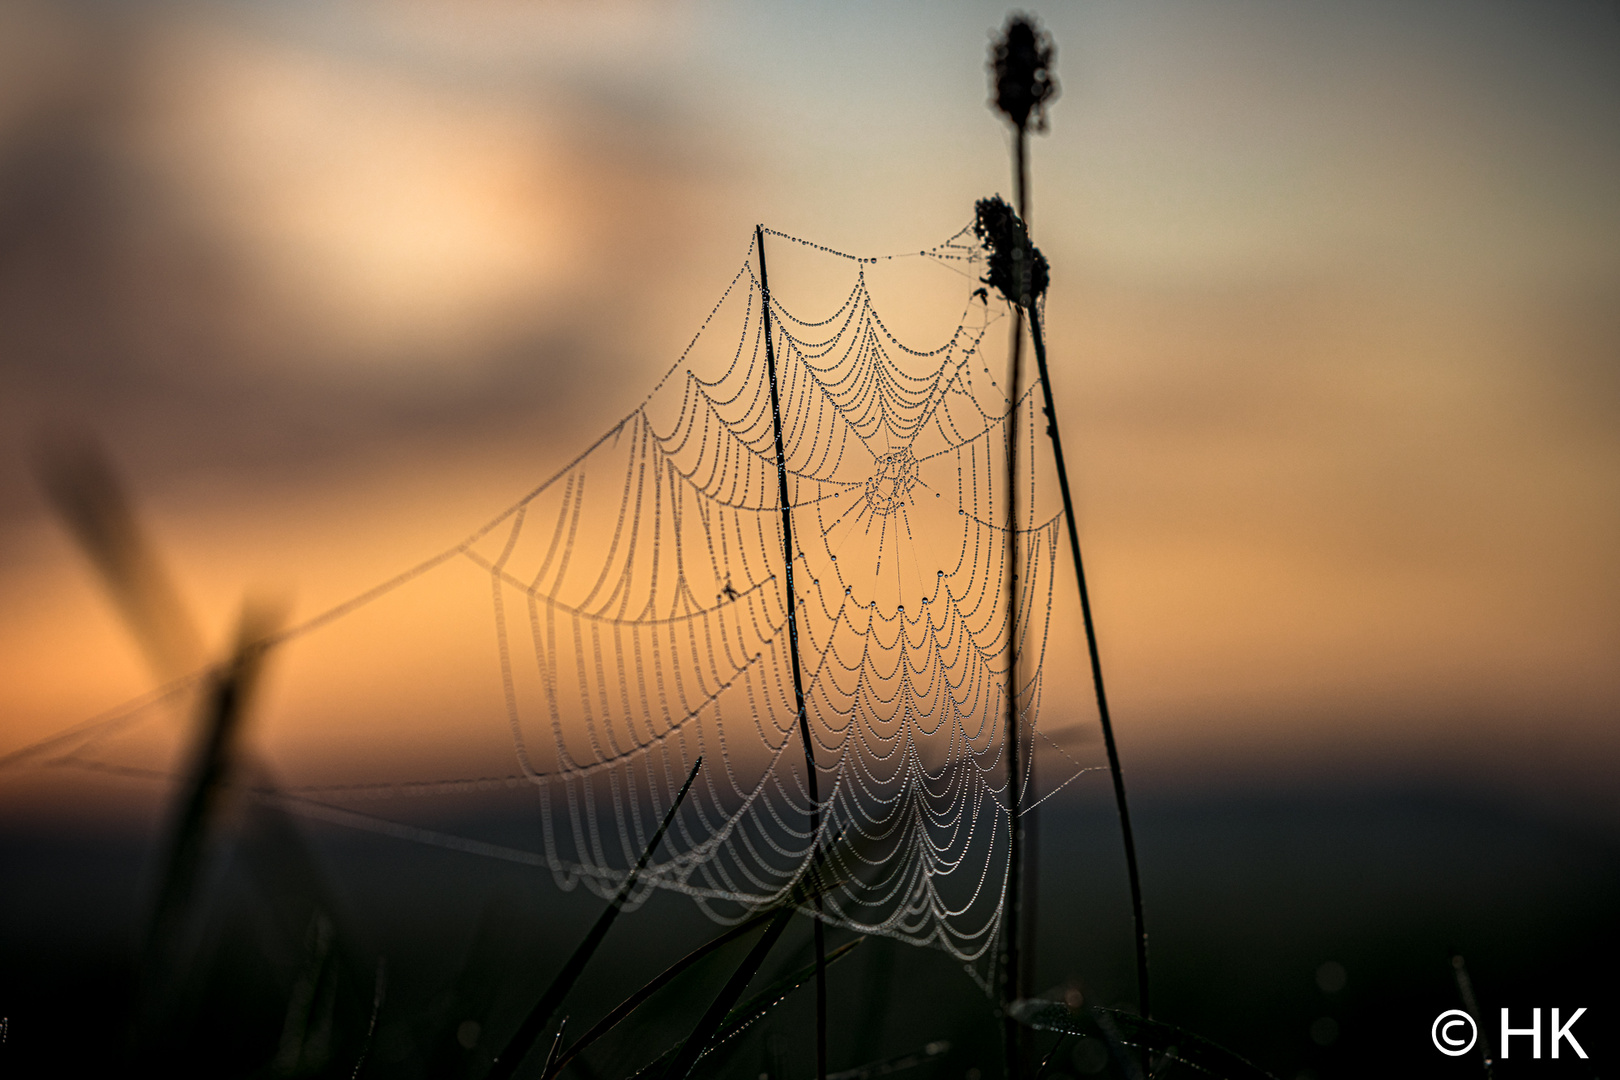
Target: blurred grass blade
x=1154, y=1036
x=85, y=491
x=309, y=1007
x=507, y=1062
x=704, y=1033
x=212, y=770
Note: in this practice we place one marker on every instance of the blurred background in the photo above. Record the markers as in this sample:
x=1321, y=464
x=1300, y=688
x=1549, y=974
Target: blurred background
x=1335, y=326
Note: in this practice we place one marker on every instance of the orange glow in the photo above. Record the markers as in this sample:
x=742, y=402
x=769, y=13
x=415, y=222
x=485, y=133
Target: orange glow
x=1337, y=382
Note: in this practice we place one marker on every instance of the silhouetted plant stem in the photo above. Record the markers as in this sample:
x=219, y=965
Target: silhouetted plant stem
x=1019, y=273
x=793, y=649
x=1096, y=665
x=518, y=1046
x=1011, y=981
x=1022, y=63
x=1029, y=839
x=1020, y=173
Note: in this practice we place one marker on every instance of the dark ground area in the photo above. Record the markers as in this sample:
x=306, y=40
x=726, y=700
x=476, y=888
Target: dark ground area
x=1312, y=934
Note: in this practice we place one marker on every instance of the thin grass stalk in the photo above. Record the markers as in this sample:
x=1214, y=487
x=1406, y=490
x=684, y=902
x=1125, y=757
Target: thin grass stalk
x=1029, y=836
x=519, y=1045
x=1021, y=62
x=1011, y=982
x=1020, y=171
x=1025, y=84
x=1143, y=998
x=793, y=649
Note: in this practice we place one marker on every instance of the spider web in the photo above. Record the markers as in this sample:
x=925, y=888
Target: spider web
x=640, y=607
x=640, y=613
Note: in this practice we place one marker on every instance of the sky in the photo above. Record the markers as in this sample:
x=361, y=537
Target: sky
x=1335, y=327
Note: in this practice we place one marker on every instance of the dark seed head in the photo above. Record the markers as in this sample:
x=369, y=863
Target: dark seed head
x=1021, y=61
x=1017, y=268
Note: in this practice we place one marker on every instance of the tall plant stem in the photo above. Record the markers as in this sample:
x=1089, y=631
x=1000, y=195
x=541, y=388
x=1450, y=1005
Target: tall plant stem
x=1018, y=942
x=793, y=649
x=1020, y=171
x=1012, y=1034
x=1096, y=667
x=1029, y=840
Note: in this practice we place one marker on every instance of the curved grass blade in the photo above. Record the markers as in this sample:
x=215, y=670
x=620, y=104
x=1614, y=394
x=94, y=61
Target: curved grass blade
x=86, y=492
x=1155, y=1036
x=799, y=896
x=746, y=1014
x=749, y=1012
x=556, y=1045
x=518, y=1046
x=1051, y=1055
x=664, y=978
x=703, y=1034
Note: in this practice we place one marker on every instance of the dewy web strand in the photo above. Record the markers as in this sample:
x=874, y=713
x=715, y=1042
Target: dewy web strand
x=640, y=620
